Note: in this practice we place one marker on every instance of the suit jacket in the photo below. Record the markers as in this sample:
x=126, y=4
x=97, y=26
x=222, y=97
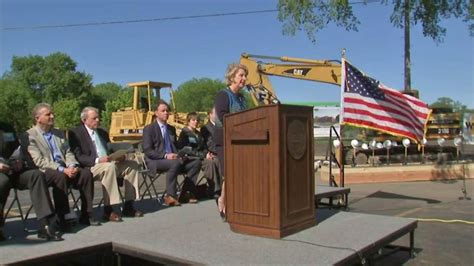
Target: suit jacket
x=153, y=143
x=193, y=140
x=208, y=133
x=82, y=145
x=40, y=153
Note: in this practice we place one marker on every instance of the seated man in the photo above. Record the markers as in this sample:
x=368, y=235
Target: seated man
x=35, y=181
x=88, y=142
x=207, y=132
x=49, y=151
x=159, y=145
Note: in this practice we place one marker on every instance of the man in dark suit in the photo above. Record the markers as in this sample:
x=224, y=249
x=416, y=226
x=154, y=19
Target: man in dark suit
x=12, y=174
x=49, y=152
x=207, y=131
x=89, y=145
x=159, y=145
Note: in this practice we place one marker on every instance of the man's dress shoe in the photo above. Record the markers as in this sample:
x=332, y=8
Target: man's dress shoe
x=187, y=197
x=112, y=217
x=89, y=220
x=170, y=201
x=132, y=213
x=192, y=198
x=64, y=226
x=49, y=233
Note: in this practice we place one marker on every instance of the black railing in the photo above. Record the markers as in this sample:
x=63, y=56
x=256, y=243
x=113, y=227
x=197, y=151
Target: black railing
x=331, y=153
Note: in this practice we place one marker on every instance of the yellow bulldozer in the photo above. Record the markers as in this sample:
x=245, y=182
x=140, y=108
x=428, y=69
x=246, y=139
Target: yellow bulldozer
x=127, y=123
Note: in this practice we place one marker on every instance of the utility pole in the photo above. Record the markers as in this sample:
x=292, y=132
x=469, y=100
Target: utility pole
x=407, y=47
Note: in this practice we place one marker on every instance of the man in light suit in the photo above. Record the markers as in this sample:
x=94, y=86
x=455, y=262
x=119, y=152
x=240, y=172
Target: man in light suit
x=159, y=145
x=89, y=144
x=50, y=152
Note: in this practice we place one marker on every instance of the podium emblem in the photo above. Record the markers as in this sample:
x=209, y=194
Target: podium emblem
x=296, y=139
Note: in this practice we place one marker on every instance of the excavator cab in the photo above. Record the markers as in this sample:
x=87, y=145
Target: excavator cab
x=127, y=123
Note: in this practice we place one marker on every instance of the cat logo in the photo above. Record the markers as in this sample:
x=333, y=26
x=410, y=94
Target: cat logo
x=297, y=72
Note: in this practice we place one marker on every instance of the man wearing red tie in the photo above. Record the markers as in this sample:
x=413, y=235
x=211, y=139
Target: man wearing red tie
x=159, y=145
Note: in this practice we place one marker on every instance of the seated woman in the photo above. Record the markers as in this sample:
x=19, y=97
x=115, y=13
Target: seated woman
x=192, y=145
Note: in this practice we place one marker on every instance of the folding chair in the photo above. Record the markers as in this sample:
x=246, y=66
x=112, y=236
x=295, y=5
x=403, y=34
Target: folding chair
x=75, y=200
x=148, y=182
x=23, y=218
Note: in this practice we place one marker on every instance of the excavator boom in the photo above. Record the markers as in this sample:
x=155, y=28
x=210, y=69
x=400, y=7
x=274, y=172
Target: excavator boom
x=326, y=71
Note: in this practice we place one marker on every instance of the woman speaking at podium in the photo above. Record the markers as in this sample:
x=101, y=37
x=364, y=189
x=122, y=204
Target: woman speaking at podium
x=228, y=100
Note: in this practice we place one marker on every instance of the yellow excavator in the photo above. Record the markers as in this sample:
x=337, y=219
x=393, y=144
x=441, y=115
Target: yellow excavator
x=326, y=71
x=127, y=123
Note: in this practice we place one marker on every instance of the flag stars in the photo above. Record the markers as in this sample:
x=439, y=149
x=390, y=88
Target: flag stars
x=363, y=85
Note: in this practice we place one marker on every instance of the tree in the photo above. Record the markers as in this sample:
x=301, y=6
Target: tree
x=446, y=102
x=197, y=94
x=122, y=99
x=51, y=78
x=314, y=15
x=16, y=102
x=66, y=113
x=101, y=93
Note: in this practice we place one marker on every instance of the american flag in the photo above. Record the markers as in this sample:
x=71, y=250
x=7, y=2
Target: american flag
x=370, y=104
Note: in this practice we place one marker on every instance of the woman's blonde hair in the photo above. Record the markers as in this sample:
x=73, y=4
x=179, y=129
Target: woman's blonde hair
x=232, y=71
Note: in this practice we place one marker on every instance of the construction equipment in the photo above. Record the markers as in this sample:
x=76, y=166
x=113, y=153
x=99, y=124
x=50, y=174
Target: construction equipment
x=127, y=123
x=441, y=124
x=326, y=71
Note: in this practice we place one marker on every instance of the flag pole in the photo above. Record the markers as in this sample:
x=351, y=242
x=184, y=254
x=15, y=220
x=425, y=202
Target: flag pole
x=341, y=116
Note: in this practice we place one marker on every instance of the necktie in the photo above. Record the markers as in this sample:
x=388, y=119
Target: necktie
x=101, y=152
x=53, y=147
x=166, y=138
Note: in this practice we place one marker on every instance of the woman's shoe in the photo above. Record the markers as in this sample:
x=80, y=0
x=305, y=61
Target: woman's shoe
x=49, y=233
x=221, y=207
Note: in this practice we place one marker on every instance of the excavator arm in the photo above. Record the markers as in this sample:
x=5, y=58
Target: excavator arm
x=259, y=86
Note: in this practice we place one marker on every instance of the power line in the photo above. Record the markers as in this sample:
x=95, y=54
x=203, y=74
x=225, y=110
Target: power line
x=159, y=19
x=139, y=20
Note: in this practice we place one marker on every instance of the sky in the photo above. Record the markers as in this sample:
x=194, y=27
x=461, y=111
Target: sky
x=178, y=50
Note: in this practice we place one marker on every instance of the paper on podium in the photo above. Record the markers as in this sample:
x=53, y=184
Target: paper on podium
x=117, y=154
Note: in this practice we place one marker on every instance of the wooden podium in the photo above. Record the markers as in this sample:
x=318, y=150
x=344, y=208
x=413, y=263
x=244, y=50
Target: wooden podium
x=269, y=170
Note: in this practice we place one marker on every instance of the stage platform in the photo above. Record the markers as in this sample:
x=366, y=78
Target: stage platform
x=330, y=193
x=195, y=234
x=365, y=174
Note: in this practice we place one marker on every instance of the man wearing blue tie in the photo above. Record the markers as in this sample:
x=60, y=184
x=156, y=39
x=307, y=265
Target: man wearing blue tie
x=159, y=145
x=50, y=153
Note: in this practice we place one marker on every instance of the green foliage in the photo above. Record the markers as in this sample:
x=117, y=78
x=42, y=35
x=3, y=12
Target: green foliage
x=16, y=101
x=52, y=78
x=122, y=99
x=101, y=93
x=429, y=14
x=446, y=102
x=66, y=113
x=197, y=94
x=314, y=15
